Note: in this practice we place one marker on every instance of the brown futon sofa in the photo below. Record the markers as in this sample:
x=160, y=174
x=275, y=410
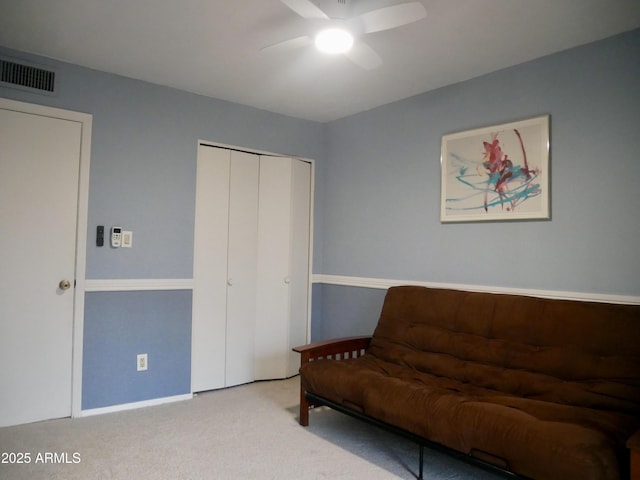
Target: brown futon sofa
x=540, y=388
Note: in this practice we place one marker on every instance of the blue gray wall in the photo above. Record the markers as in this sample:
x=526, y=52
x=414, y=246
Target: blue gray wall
x=120, y=325
x=376, y=204
x=381, y=195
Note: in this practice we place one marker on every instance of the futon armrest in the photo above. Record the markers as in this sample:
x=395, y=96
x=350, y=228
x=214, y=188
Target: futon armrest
x=339, y=349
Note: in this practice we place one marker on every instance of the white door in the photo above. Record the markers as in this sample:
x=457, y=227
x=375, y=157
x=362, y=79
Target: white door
x=274, y=247
x=211, y=244
x=283, y=265
x=39, y=176
x=224, y=269
x=242, y=268
x=300, y=262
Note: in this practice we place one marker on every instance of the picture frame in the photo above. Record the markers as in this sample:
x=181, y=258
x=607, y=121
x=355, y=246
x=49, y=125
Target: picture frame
x=496, y=173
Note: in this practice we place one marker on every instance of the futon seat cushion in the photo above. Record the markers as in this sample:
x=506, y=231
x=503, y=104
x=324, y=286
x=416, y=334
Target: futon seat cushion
x=538, y=439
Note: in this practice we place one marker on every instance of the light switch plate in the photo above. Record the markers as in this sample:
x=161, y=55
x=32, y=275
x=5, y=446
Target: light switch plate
x=127, y=239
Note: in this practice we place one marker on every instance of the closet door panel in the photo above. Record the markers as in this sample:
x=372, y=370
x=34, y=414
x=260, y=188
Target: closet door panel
x=274, y=246
x=300, y=255
x=210, y=269
x=242, y=268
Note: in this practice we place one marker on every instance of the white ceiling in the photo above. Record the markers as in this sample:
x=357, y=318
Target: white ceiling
x=213, y=47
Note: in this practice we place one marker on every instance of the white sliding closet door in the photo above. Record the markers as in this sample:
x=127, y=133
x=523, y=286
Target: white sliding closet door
x=283, y=265
x=299, y=295
x=251, y=267
x=208, y=348
x=242, y=267
x=225, y=262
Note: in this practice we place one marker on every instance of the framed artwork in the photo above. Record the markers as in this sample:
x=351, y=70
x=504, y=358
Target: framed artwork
x=496, y=173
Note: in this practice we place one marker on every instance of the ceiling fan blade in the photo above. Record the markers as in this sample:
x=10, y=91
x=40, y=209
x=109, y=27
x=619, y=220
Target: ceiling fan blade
x=305, y=8
x=288, y=44
x=392, y=17
x=363, y=55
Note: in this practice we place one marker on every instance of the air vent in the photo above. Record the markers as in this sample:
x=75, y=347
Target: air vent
x=20, y=75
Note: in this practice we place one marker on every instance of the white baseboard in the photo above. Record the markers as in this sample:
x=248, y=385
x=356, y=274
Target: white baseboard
x=140, y=284
x=382, y=283
x=134, y=405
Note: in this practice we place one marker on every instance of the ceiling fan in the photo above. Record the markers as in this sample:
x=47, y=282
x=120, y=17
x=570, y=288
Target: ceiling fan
x=335, y=30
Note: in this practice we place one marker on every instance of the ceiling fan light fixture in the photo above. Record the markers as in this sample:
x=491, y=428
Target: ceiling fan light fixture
x=334, y=41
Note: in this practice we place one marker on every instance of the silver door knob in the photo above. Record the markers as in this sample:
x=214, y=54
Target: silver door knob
x=64, y=285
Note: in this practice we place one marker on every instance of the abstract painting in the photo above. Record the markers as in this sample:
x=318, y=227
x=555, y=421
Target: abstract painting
x=496, y=173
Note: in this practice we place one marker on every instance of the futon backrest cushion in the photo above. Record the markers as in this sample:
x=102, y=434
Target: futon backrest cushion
x=569, y=352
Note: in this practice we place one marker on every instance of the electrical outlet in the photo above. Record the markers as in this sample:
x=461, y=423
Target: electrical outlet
x=143, y=363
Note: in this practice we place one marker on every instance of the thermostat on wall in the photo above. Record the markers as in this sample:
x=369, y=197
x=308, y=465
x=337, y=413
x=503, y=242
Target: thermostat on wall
x=116, y=236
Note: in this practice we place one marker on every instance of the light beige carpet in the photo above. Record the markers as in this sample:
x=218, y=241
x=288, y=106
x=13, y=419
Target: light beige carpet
x=246, y=432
